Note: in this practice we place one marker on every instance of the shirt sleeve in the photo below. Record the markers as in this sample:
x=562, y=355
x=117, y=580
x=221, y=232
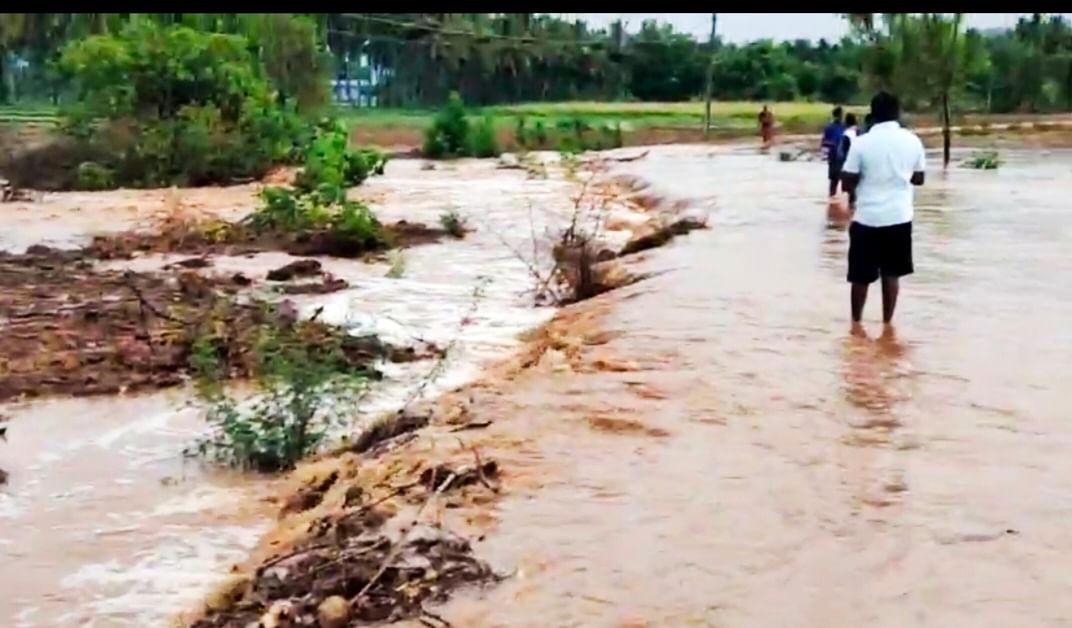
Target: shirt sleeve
x=852, y=160
x=921, y=158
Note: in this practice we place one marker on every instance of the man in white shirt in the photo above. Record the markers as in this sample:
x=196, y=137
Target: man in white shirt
x=879, y=171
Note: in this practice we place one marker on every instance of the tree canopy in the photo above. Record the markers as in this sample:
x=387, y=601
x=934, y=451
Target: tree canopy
x=418, y=59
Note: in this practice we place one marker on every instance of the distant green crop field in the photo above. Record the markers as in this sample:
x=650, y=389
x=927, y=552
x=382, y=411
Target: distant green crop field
x=736, y=114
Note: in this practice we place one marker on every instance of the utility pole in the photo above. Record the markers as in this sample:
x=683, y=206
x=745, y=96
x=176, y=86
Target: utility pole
x=710, y=78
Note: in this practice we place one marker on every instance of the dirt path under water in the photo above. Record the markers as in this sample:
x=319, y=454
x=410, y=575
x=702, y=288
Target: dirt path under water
x=712, y=447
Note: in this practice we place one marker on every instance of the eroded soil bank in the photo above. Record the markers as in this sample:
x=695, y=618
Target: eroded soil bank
x=104, y=521
x=712, y=446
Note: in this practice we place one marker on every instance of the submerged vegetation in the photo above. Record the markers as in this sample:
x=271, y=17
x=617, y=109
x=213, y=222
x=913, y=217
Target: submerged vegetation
x=984, y=160
x=306, y=385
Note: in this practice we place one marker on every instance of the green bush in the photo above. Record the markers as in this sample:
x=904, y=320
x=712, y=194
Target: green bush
x=304, y=389
x=453, y=223
x=174, y=106
x=318, y=200
x=449, y=134
x=93, y=176
x=452, y=135
x=482, y=141
x=984, y=160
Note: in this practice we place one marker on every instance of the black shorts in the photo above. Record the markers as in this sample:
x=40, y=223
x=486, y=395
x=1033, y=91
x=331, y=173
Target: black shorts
x=879, y=251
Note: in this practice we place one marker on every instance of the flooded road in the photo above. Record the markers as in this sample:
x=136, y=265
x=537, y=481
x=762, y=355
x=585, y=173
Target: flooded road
x=723, y=452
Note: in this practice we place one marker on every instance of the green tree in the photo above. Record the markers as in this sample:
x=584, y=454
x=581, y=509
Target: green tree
x=927, y=59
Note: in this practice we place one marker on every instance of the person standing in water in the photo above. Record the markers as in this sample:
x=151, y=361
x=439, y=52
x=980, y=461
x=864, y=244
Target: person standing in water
x=766, y=126
x=879, y=173
x=829, y=145
x=850, y=133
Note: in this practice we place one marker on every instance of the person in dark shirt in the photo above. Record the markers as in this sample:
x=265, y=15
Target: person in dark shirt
x=831, y=140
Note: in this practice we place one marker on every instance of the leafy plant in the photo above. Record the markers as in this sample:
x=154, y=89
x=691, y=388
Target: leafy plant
x=453, y=223
x=93, y=176
x=482, y=141
x=984, y=160
x=304, y=389
x=170, y=105
x=329, y=161
x=449, y=134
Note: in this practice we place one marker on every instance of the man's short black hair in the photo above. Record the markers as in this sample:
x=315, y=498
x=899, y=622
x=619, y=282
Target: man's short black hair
x=837, y=112
x=885, y=107
x=850, y=119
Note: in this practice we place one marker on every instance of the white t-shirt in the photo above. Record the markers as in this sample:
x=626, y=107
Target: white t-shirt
x=885, y=158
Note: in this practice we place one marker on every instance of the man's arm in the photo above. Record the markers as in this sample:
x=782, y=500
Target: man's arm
x=920, y=166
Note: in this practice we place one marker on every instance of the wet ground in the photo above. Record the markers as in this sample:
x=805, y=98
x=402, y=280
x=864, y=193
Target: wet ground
x=726, y=453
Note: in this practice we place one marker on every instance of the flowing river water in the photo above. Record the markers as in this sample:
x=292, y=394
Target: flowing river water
x=745, y=461
x=725, y=454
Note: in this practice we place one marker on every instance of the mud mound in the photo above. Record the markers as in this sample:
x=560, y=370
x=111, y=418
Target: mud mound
x=51, y=166
x=180, y=233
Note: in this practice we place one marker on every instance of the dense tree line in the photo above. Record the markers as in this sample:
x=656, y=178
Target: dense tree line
x=418, y=59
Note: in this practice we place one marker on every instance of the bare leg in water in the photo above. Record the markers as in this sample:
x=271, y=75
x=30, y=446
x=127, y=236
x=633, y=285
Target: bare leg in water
x=891, y=286
x=890, y=289
x=859, y=298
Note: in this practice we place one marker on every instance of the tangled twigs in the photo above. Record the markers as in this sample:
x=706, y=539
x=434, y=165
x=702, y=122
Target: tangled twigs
x=393, y=554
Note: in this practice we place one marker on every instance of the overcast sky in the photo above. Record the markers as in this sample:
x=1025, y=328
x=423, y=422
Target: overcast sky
x=741, y=27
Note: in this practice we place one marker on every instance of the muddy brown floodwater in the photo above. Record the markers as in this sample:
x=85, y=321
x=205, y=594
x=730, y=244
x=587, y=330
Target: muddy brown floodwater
x=725, y=453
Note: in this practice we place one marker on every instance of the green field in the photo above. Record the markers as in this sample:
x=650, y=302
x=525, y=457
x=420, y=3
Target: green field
x=725, y=115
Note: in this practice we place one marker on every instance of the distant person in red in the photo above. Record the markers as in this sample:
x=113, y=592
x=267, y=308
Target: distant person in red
x=766, y=126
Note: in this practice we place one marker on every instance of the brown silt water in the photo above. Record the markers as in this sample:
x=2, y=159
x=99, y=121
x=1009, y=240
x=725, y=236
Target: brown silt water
x=724, y=452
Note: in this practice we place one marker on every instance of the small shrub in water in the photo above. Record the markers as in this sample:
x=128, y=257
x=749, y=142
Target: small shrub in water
x=304, y=390
x=986, y=160
x=453, y=223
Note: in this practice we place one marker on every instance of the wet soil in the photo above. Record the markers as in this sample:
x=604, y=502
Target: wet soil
x=66, y=328
x=196, y=236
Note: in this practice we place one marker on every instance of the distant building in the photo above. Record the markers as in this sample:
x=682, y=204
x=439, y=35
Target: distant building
x=359, y=89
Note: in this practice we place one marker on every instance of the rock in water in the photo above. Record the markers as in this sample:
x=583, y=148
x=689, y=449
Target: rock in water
x=333, y=612
x=300, y=268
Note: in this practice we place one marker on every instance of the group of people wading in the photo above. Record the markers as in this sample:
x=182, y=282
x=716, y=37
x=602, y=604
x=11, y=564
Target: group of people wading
x=877, y=165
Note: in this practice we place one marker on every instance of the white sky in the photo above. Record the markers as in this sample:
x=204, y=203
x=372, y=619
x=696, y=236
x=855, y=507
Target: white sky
x=743, y=27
